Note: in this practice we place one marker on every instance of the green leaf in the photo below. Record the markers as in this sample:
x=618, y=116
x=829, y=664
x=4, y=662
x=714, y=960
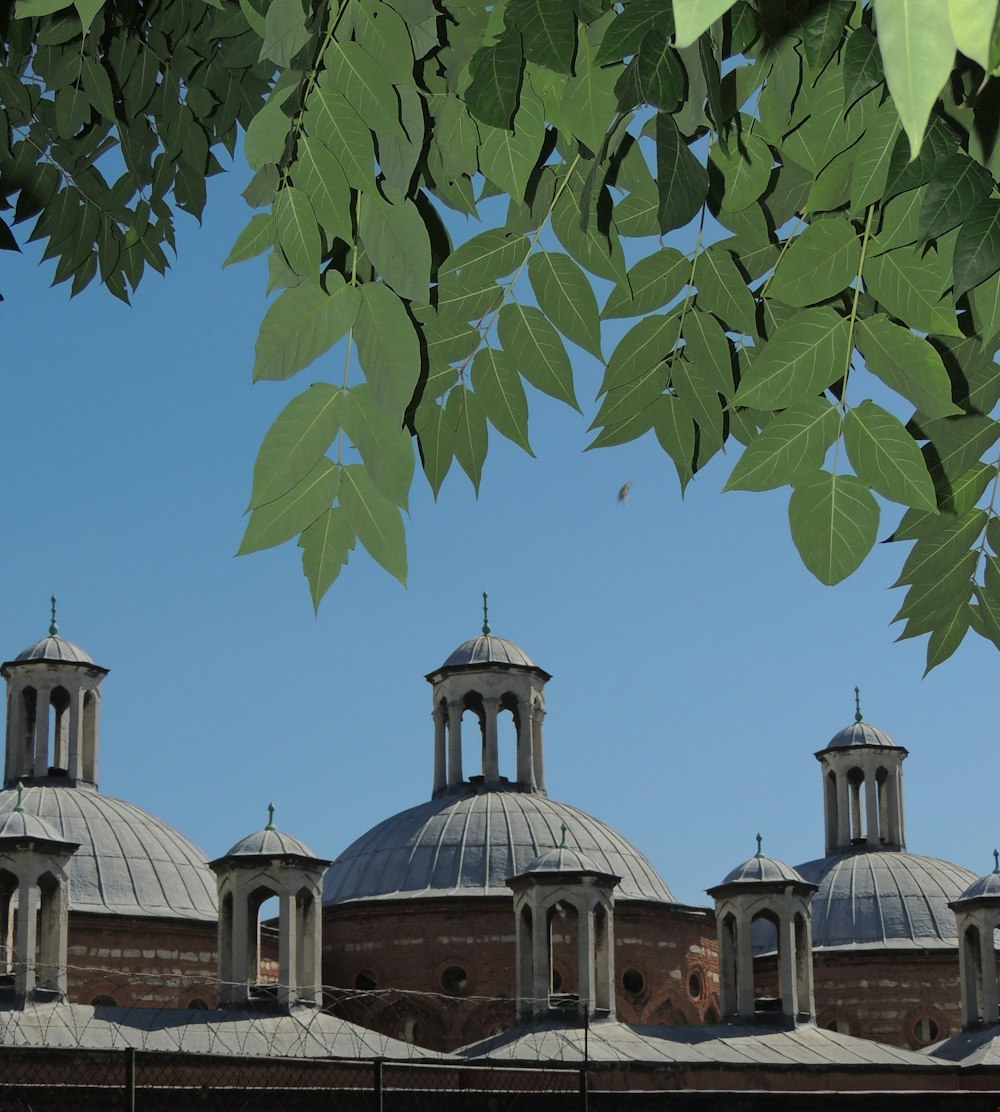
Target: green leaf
x=87, y=11
x=907, y=364
x=723, y=291
x=548, y=31
x=301, y=325
x=325, y=545
x=952, y=195
x=871, y=157
x=437, y=443
x=931, y=556
x=294, y=444
x=297, y=232
x=939, y=144
x=498, y=387
x=256, y=238
x=267, y=132
x=933, y=594
x=862, y=65
x=911, y=288
x=321, y=178
x=977, y=249
x=349, y=69
x=467, y=421
x=885, y=456
x=567, y=298
x=385, y=446
x=590, y=101
x=284, y=32
x=972, y=24
x=918, y=51
x=693, y=17
x=947, y=636
x=956, y=443
x=396, y=240
x=388, y=349
x=792, y=447
x=821, y=30
x=643, y=347
x=622, y=403
x=704, y=405
x=383, y=33
x=625, y=32
x=681, y=179
x=675, y=431
x=537, y=350
x=496, y=71
x=820, y=263
x=989, y=613
x=652, y=282
x=833, y=519
x=98, y=86
x=492, y=254
x=281, y=519
x=507, y=157
x=985, y=300
x=900, y=223
x=746, y=170
x=375, y=520
x=331, y=120
x=806, y=354
x=661, y=78
x=707, y=347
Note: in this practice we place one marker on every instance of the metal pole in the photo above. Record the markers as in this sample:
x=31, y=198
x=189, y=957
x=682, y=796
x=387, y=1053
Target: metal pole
x=584, y=1079
x=377, y=1084
x=130, y=1078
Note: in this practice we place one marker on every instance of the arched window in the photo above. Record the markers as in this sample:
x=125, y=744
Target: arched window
x=8, y=892
x=765, y=927
x=563, y=926
x=855, y=783
x=59, y=731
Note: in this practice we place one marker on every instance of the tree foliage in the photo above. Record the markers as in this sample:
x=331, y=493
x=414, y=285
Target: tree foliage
x=833, y=162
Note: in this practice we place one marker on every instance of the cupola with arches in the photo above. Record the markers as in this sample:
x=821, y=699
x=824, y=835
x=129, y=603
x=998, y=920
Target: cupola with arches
x=977, y=919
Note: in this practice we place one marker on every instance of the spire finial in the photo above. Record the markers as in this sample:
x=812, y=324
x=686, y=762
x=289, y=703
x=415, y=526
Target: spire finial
x=53, y=625
x=486, y=616
x=996, y=861
x=759, y=852
x=270, y=817
x=19, y=806
x=562, y=844
x=857, y=704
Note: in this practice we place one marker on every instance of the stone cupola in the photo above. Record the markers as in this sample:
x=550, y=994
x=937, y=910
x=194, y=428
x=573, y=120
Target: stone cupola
x=863, y=788
x=264, y=864
x=53, y=703
x=763, y=888
x=488, y=675
x=563, y=890
x=977, y=917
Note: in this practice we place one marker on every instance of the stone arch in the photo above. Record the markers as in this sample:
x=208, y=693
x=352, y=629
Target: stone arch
x=59, y=700
x=413, y=1021
x=8, y=927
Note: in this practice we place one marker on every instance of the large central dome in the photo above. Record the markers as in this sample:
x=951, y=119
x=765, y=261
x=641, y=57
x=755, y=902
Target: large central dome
x=470, y=844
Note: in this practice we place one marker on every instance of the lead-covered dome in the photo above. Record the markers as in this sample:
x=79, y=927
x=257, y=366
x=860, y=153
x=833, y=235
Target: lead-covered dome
x=488, y=649
x=56, y=649
x=270, y=842
x=128, y=862
x=872, y=899
x=861, y=733
x=762, y=870
x=468, y=845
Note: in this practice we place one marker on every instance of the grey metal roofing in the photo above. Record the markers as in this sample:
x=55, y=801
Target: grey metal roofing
x=303, y=1033
x=884, y=898
x=979, y=1046
x=762, y=870
x=469, y=844
x=270, y=841
x=555, y=1040
x=561, y=859
x=488, y=649
x=22, y=824
x=861, y=733
x=986, y=887
x=128, y=863
x=55, y=648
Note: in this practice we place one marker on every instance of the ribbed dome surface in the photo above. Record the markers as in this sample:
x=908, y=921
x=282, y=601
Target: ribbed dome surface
x=762, y=870
x=986, y=887
x=55, y=648
x=469, y=845
x=128, y=863
x=488, y=650
x=879, y=899
x=23, y=824
x=270, y=841
x=861, y=733
x=562, y=859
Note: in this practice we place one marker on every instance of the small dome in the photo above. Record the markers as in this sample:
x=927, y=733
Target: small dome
x=54, y=648
x=763, y=870
x=861, y=733
x=884, y=899
x=488, y=649
x=468, y=845
x=128, y=862
x=270, y=843
x=561, y=859
x=23, y=824
x=986, y=887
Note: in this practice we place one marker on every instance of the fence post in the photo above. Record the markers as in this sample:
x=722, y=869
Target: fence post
x=130, y=1078
x=377, y=1083
x=584, y=1089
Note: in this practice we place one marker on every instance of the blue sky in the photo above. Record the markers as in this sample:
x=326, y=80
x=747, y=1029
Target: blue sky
x=697, y=665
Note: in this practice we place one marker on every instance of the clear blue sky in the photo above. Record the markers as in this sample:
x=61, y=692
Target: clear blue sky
x=697, y=665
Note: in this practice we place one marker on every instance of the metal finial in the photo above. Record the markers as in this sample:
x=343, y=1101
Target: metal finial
x=562, y=844
x=486, y=616
x=857, y=704
x=19, y=806
x=53, y=625
x=759, y=852
x=270, y=817
x=996, y=861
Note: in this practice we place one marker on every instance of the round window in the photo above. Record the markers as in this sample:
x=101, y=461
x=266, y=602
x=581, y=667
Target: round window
x=365, y=980
x=633, y=981
x=925, y=1030
x=454, y=979
x=694, y=986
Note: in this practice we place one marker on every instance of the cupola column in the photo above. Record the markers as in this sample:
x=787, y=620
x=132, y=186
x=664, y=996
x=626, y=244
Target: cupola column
x=872, y=832
x=538, y=759
x=843, y=811
x=75, y=762
x=491, y=755
x=40, y=761
x=440, y=752
x=455, y=709
x=526, y=751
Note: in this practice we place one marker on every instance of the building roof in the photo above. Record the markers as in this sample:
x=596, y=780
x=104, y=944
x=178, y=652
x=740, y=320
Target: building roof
x=303, y=1033
x=986, y=887
x=128, y=863
x=762, y=870
x=54, y=648
x=861, y=733
x=884, y=898
x=270, y=842
x=561, y=859
x=488, y=649
x=469, y=844
x=17, y=825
